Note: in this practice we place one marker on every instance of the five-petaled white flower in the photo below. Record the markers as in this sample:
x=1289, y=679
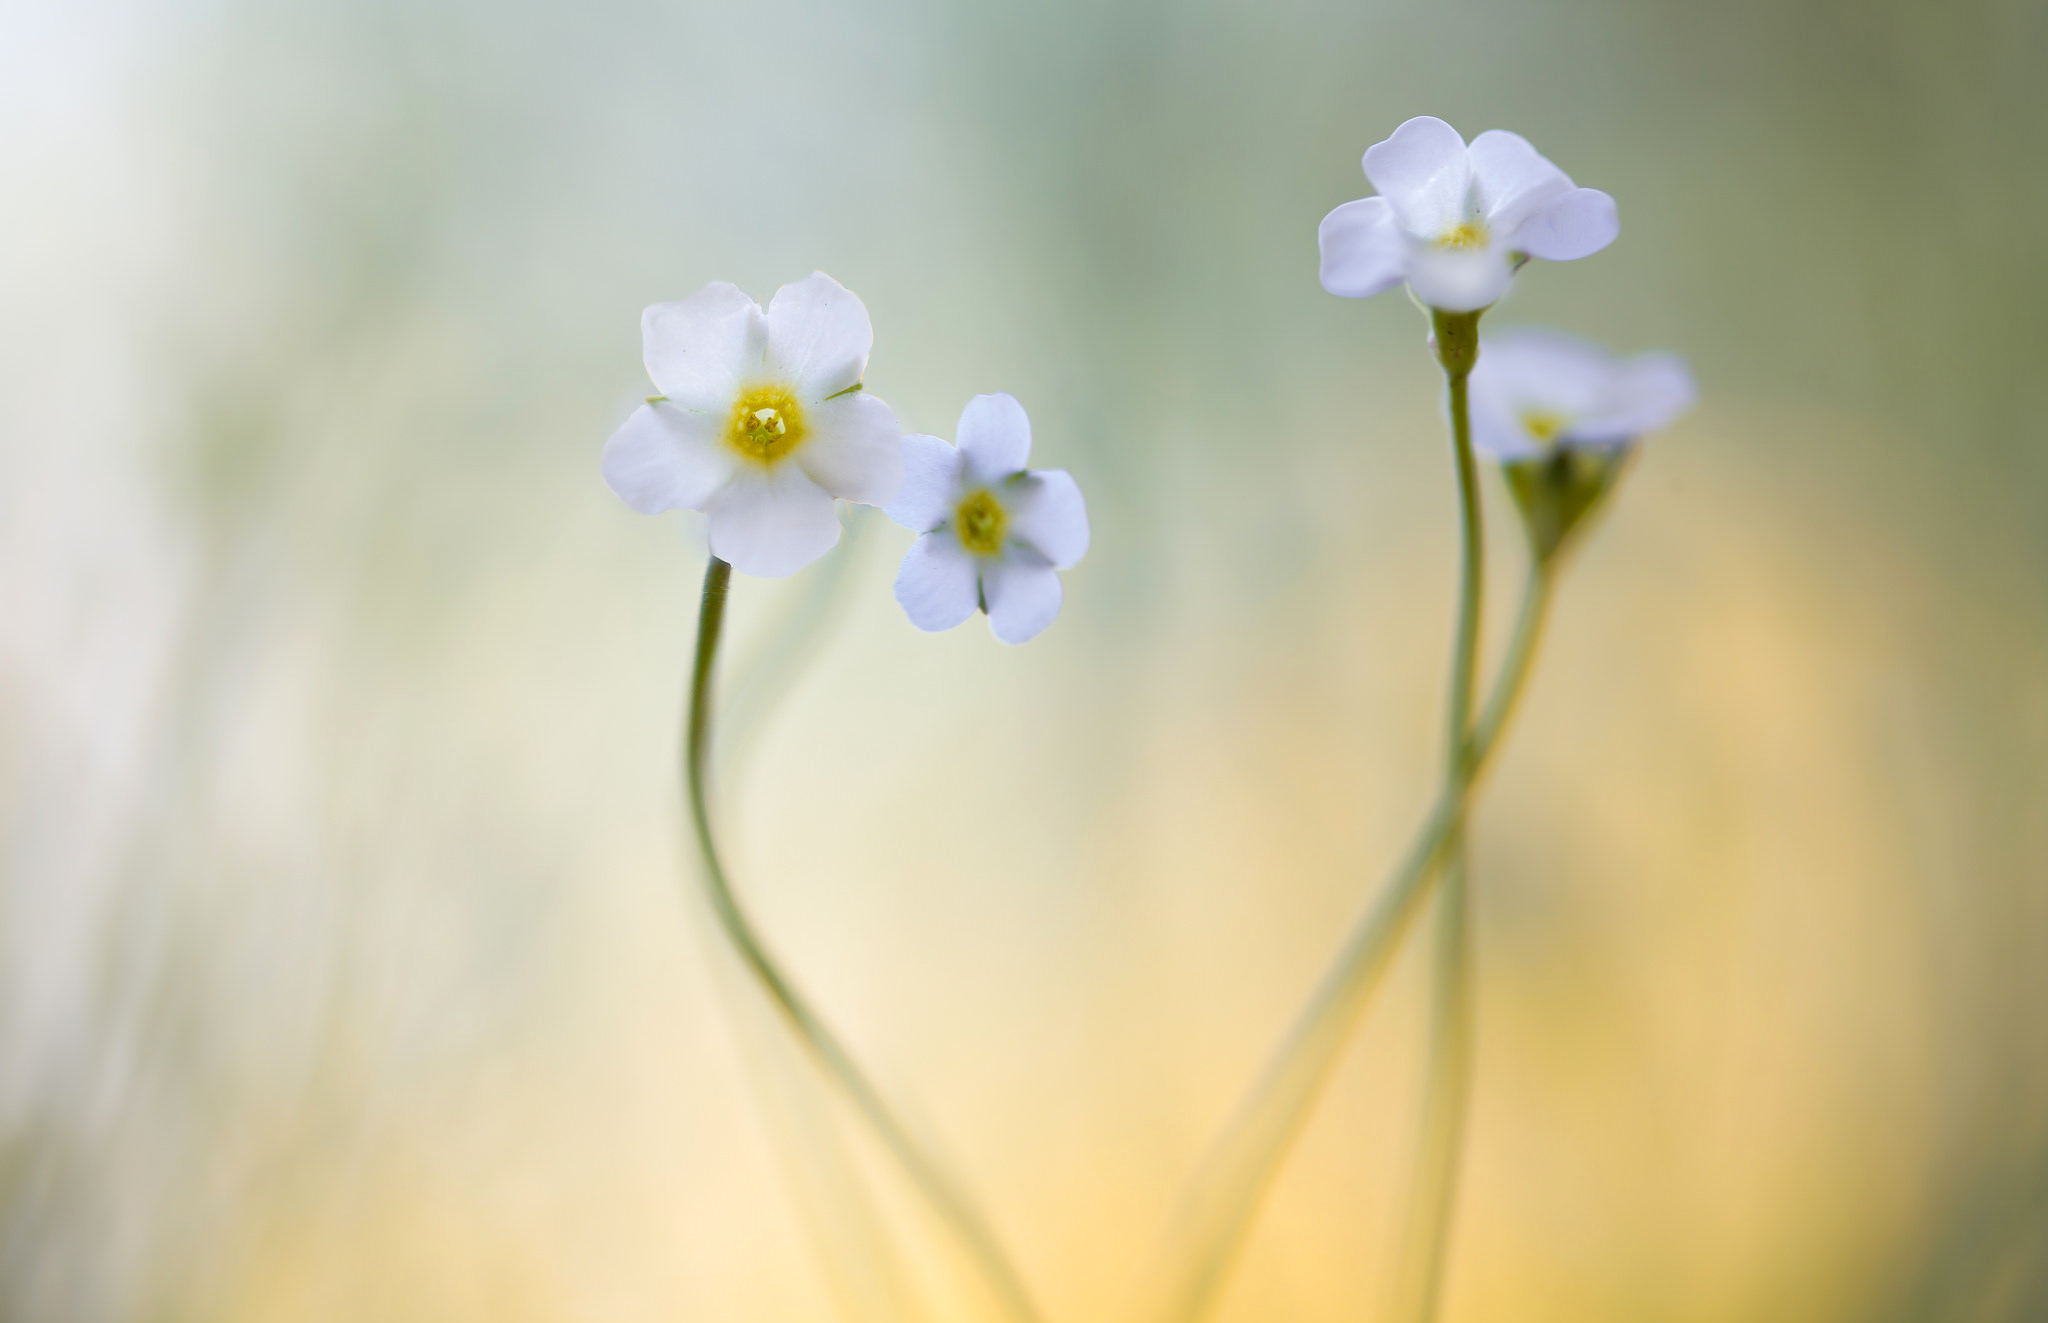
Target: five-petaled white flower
x=1455, y=221
x=993, y=534
x=760, y=423
x=1535, y=391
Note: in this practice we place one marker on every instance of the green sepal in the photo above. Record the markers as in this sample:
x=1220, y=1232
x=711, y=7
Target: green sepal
x=1455, y=337
x=1557, y=493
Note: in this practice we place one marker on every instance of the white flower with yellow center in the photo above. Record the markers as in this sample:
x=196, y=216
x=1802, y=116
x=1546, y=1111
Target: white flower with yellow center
x=994, y=535
x=1535, y=391
x=761, y=421
x=1456, y=221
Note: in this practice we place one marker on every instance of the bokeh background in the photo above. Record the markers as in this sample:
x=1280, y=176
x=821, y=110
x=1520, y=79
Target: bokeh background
x=348, y=967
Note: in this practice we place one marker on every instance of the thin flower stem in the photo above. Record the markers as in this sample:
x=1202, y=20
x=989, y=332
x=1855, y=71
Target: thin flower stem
x=937, y=1187
x=1233, y=1180
x=1447, y=1093
x=1472, y=562
x=1419, y=1271
x=1448, y=1076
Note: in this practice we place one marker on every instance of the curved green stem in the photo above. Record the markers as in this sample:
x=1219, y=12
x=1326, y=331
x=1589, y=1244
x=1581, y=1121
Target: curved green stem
x=1452, y=331
x=937, y=1187
x=1447, y=1093
x=1419, y=1269
x=1233, y=1180
x=1426, y=1230
x=1515, y=663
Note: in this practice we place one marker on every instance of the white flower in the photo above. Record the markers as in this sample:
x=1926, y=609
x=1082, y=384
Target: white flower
x=761, y=421
x=1455, y=221
x=993, y=534
x=1536, y=391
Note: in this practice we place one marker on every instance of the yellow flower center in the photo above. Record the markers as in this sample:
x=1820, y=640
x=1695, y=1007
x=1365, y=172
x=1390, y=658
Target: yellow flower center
x=1545, y=427
x=766, y=423
x=980, y=520
x=1464, y=236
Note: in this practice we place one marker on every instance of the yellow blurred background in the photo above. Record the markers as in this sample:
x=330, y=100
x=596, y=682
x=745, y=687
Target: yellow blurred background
x=348, y=963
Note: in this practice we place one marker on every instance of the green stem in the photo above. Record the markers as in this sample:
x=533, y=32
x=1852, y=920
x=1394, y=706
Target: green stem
x=1418, y=1284
x=1233, y=1180
x=1526, y=638
x=1448, y=1076
x=939, y=1189
x=1448, y=1089
x=1453, y=332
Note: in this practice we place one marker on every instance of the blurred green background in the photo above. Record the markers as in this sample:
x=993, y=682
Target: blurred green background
x=344, y=970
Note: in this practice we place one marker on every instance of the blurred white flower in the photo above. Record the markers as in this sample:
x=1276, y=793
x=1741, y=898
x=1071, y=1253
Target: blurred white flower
x=760, y=423
x=993, y=534
x=1534, y=391
x=1455, y=221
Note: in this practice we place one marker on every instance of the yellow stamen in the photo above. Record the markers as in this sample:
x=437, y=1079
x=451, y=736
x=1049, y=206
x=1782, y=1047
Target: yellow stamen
x=1465, y=235
x=980, y=521
x=1545, y=427
x=766, y=423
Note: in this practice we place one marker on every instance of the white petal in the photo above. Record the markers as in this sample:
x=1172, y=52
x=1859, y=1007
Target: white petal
x=1527, y=371
x=1574, y=225
x=855, y=448
x=1022, y=592
x=1424, y=173
x=995, y=436
x=665, y=458
x=1645, y=394
x=1363, y=249
x=699, y=350
x=818, y=337
x=1600, y=400
x=1048, y=515
x=938, y=584
x=772, y=521
x=931, y=484
x=1537, y=370
x=1511, y=181
x=1497, y=426
x=1459, y=279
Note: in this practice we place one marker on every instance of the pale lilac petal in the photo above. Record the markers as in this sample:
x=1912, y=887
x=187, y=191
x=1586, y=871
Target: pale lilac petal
x=939, y=584
x=1538, y=370
x=1048, y=515
x=1510, y=180
x=995, y=436
x=1022, y=592
x=699, y=350
x=1594, y=399
x=665, y=458
x=1497, y=426
x=818, y=337
x=1425, y=175
x=931, y=484
x=854, y=449
x=1644, y=395
x=1364, y=251
x=771, y=521
x=1574, y=225
x=1459, y=279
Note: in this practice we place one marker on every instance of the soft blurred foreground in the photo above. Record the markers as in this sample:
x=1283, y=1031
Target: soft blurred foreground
x=348, y=963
